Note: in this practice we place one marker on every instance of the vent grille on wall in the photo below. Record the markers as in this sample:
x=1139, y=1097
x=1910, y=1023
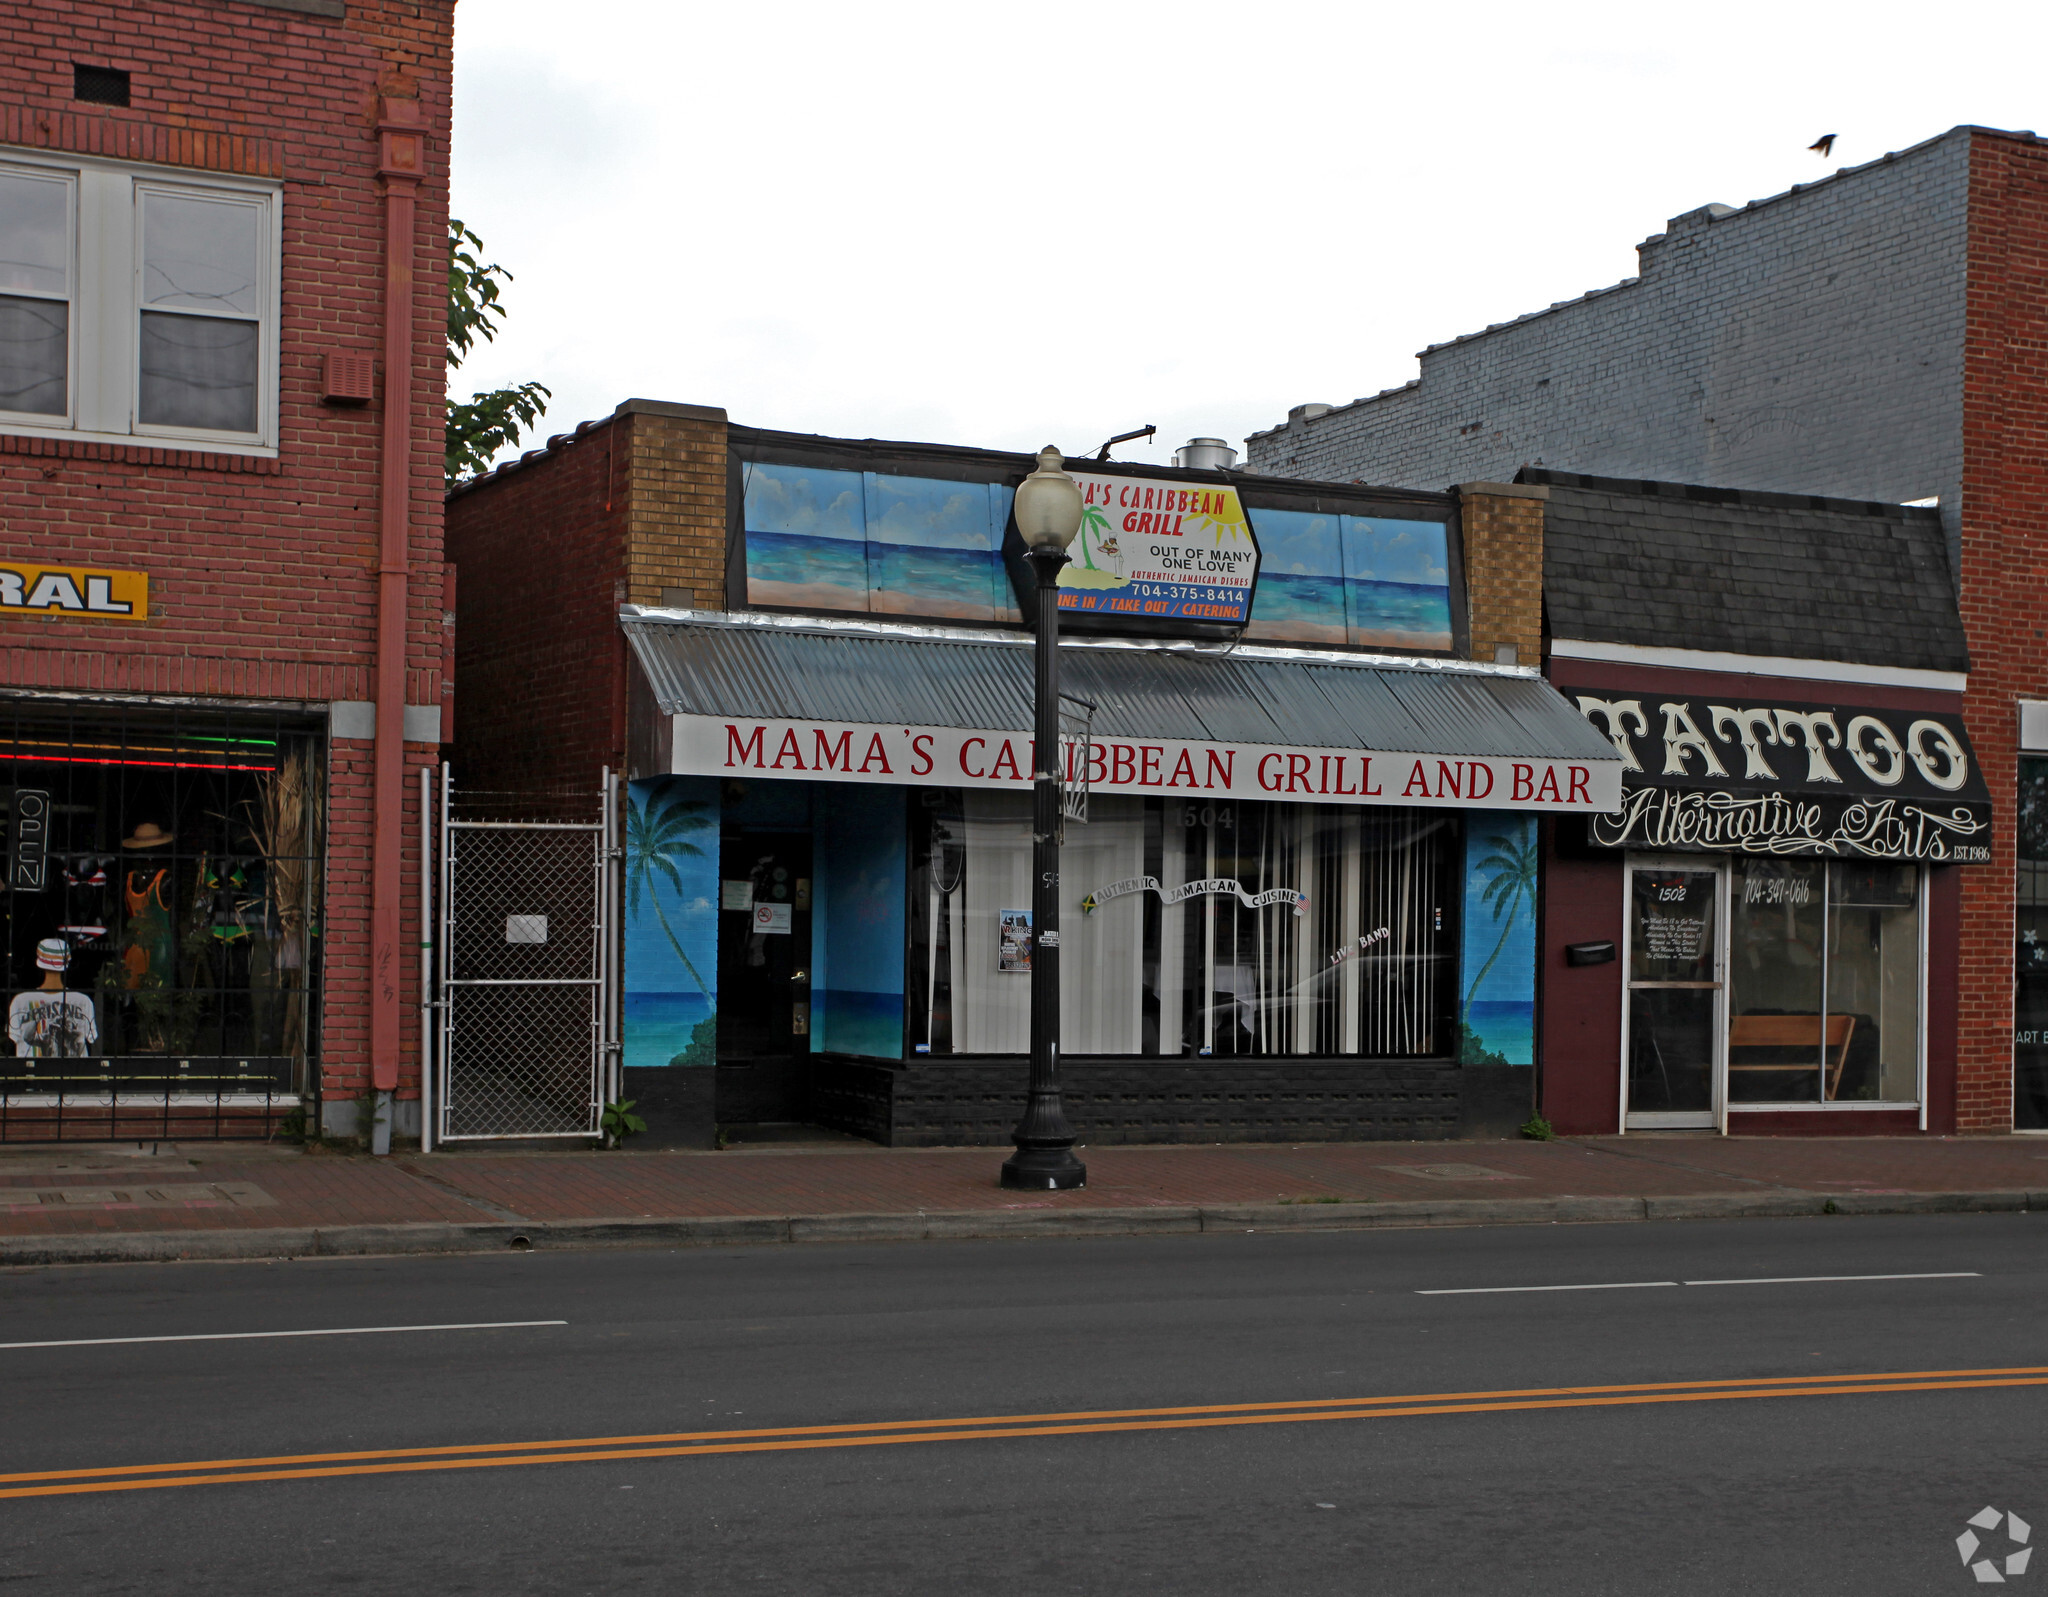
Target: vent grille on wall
x=99, y=85
x=351, y=379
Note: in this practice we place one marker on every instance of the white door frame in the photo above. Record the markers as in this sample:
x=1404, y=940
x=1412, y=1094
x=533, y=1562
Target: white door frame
x=1714, y=1118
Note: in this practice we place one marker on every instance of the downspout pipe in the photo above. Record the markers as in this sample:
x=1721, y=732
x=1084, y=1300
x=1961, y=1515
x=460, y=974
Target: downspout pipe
x=401, y=161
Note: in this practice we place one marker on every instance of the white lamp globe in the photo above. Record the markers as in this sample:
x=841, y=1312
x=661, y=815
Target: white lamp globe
x=1048, y=505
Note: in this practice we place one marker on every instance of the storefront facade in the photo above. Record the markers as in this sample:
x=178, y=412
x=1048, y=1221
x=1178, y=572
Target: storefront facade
x=1776, y=903
x=1332, y=939
x=1301, y=903
x=221, y=577
x=1764, y=936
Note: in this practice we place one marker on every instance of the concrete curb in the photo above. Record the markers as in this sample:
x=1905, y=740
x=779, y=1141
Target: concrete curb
x=357, y=1241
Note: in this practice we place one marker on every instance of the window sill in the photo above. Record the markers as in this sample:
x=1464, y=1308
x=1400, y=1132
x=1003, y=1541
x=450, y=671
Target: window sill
x=132, y=450
x=1890, y=1105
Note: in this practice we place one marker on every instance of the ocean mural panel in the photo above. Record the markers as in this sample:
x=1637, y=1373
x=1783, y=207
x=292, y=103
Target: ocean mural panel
x=935, y=548
x=671, y=931
x=1397, y=583
x=860, y=869
x=880, y=543
x=1366, y=581
x=1497, y=970
x=1300, y=593
x=819, y=539
x=806, y=538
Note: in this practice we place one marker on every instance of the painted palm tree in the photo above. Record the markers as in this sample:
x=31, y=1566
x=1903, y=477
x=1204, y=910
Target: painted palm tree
x=656, y=839
x=1094, y=524
x=1510, y=882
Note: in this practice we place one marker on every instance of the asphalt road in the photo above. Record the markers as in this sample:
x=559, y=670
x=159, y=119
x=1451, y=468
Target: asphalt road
x=1814, y=1491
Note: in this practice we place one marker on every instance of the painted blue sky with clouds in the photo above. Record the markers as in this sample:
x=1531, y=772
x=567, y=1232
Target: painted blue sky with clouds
x=804, y=502
x=1383, y=550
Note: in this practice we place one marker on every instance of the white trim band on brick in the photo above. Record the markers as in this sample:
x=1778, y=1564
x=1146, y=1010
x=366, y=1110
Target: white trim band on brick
x=1765, y=665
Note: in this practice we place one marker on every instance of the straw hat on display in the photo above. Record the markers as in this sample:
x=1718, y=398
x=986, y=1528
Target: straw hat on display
x=148, y=835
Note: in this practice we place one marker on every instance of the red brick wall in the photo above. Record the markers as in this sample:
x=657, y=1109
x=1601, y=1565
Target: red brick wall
x=626, y=510
x=1579, y=1046
x=540, y=553
x=263, y=572
x=2004, y=557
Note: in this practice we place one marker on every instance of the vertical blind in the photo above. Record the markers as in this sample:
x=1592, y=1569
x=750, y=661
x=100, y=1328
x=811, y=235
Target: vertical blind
x=1366, y=969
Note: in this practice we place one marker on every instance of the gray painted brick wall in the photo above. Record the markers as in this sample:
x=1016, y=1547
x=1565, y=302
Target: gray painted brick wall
x=1807, y=343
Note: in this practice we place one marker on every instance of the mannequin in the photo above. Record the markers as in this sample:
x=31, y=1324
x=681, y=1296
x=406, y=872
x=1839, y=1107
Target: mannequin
x=49, y=1022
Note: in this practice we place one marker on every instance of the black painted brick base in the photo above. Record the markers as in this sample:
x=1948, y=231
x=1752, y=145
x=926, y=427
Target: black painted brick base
x=975, y=1102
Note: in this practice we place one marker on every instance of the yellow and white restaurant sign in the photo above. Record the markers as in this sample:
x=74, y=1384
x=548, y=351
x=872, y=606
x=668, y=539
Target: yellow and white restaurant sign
x=84, y=592
x=1167, y=550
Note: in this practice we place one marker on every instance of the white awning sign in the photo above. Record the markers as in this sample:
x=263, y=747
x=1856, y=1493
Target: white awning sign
x=837, y=751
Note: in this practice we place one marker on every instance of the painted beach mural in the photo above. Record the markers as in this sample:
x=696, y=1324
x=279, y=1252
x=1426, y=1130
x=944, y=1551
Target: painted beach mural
x=1497, y=1001
x=1365, y=581
x=819, y=539
x=671, y=933
x=807, y=538
x=858, y=912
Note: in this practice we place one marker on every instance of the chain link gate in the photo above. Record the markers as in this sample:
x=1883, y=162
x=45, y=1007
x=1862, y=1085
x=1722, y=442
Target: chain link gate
x=527, y=967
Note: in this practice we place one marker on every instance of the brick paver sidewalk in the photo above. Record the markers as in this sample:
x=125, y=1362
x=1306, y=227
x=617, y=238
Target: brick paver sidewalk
x=201, y=1187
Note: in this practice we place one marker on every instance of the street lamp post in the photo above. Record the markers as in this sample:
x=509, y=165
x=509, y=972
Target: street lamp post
x=1048, y=510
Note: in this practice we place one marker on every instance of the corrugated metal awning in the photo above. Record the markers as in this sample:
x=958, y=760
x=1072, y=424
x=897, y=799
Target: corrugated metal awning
x=860, y=674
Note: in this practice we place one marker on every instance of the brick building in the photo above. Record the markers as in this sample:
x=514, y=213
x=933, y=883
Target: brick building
x=1763, y=938
x=1876, y=336
x=1302, y=900
x=221, y=577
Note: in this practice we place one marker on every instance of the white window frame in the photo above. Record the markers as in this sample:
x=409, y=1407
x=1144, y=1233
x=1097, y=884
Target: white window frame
x=41, y=419
x=1725, y=902
x=106, y=302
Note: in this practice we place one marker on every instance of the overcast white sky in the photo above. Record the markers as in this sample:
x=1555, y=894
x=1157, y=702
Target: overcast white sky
x=996, y=224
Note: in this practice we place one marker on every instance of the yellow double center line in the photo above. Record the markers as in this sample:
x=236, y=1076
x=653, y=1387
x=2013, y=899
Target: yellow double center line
x=1085, y=1422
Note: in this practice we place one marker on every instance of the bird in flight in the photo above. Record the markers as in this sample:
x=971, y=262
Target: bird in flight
x=1823, y=145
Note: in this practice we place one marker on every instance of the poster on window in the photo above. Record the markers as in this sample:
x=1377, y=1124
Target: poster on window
x=1013, y=945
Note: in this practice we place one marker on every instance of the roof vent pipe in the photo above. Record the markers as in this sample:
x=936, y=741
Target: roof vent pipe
x=1205, y=454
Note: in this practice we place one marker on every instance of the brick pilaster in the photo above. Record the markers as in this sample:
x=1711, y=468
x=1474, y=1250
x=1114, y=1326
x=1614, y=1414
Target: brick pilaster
x=2004, y=547
x=1502, y=527
x=675, y=503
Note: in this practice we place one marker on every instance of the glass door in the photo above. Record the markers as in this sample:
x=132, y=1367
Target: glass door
x=1672, y=1036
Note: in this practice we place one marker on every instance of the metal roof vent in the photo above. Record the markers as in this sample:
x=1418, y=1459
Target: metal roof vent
x=1205, y=454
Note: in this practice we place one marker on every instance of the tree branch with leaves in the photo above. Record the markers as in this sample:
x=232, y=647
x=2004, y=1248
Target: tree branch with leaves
x=487, y=422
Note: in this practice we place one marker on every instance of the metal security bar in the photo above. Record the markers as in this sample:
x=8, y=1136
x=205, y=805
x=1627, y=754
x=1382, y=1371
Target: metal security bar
x=527, y=974
x=126, y=1100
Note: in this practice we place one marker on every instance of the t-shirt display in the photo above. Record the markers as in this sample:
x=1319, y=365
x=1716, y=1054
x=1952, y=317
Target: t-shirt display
x=52, y=1025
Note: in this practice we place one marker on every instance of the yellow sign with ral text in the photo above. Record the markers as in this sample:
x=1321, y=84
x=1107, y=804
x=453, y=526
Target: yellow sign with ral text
x=80, y=592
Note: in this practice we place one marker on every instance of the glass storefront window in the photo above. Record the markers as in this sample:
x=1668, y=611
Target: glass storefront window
x=1368, y=969
x=174, y=944
x=1874, y=980
x=2030, y=966
x=1774, y=981
x=1824, y=982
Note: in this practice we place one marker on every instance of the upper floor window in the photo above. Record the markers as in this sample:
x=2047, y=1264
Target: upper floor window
x=135, y=304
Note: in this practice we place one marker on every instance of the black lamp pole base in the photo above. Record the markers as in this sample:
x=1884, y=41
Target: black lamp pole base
x=1044, y=1170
